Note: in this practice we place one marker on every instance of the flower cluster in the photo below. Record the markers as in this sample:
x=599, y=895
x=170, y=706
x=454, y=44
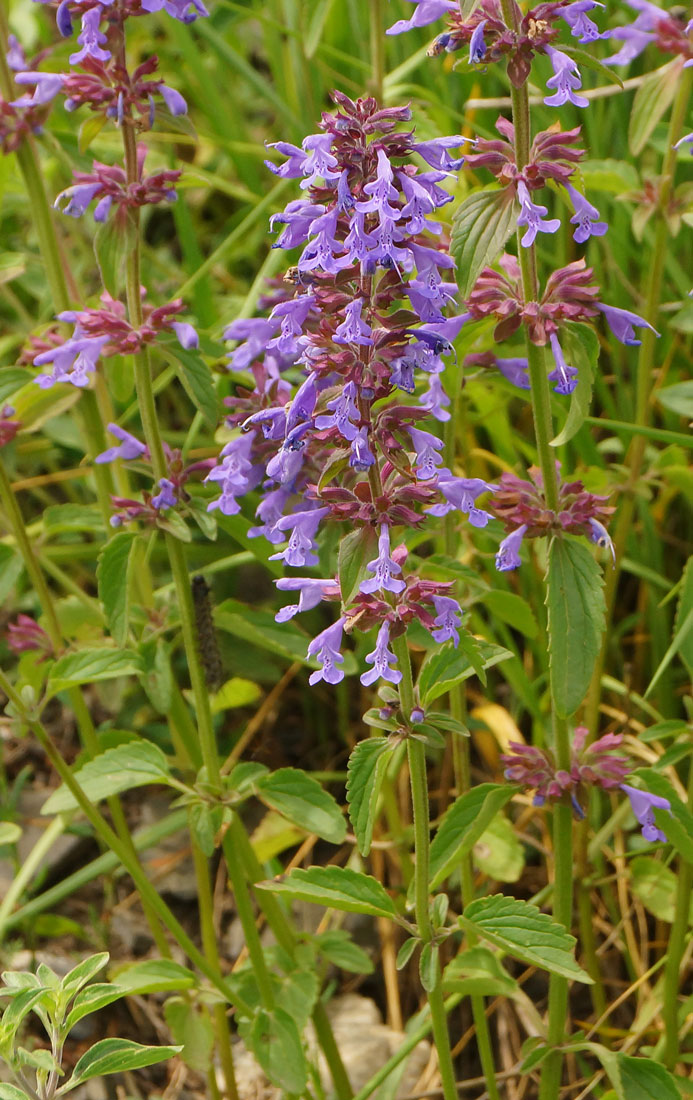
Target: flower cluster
x=19, y=118
x=523, y=509
x=109, y=185
x=101, y=333
x=25, y=634
x=592, y=765
x=668, y=31
x=361, y=315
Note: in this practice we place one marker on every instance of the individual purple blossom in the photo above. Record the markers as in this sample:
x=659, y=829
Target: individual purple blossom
x=508, y=556
x=297, y=216
x=166, y=497
x=461, y=493
x=582, y=27
x=15, y=56
x=382, y=192
x=427, y=11
x=402, y=373
x=185, y=333
x=47, y=87
x=638, y=35
x=319, y=253
x=286, y=464
x=78, y=198
x=319, y=163
x=91, y=39
x=325, y=647
x=361, y=457
x=448, y=620
x=384, y=568
x=600, y=536
x=234, y=472
x=643, y=805
x=585, y=218
x=354, y=330
x=516, y=371
x=381, y=658
x=73, y=362
x=687, y=139
x=301, y=547
x=531, y=215
x=270, y=510
x=301, y=409
x=566, y=80
x=564, y=376
x=292, y=315
x=129, y=448
x=427, y=447
x=477, y=46
x=173, y=100
x=435, y=152
x=178, y=9
x=344, y=413
x=312, y=592
x=421, y=194
x=256, y=333
x=435, y=399
x=623, y=323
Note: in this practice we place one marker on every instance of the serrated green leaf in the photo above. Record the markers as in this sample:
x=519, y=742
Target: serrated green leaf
x=526, y=933
x=302, y=800
x=575, y=605
x=481, y=226
x=655, y=886
x=115, y=1056
x=92, y=665
x=463, y=824
x=448, y=666
x=133, y=765
x=113, y=578
x=582, y=351
x=336, y=888
x=365, y=773
x=355, y=551
x=651, y=102
x=635, y=1078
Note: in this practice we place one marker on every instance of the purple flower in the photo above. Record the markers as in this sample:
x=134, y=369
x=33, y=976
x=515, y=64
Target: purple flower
x=687, y=139
x=586, y=217
x=508, y=556
x=423, y=197
x=357, y=241
x=638, y=35
x=47, y=87
x=91, y=39
x=270, y=510
x=344, y=413
x=361, y=457
x=384, y=568
x=326, y=649
x=173, y=100
x=319, y=253
x=477, y=46
x=102, y=208
x=129, y=448
x=516, y=371
x=600, y=536
x=291, y=168
x=186, y=334
x=293, y=315
x=353, y=330
x=301, y=409
x=78, y=198
x=63, y=19
x=427, y=447
x=300, y=550
x=384, y=248
x=166, y=497
x=427, y=11
x=582, y=27
x=382, y=192
x=16, y=59
x=623, y=323
x=74, y=361
x=381, y=658
x=311, y=593
x=179, y=9
x=285, y=465
x=435, y=399
x=235, y=472
x=435, y=152
x=531, y=215
x=643, y=805
x=320, y=162
x=563, y=375
x=448, y=620
x=461, y=493
x=256, y=333
x=298, y=216
x=566, y=79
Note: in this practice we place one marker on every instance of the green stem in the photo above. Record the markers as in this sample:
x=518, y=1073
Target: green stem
x=233, y=839
x=377, y=49
x=422, y=843
x=673, y=971
x=25, y=873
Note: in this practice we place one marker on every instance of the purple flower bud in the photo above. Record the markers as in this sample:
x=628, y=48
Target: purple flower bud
x=293, y=167
x=477, y=46
x=427, y=449
x=173, y=100
x=516, y=371
x=15, y=56
x=417, y=715
x=63, y=20
x=361, y=457
x=448, y=620
x=130, y=447
x=586, y=217
x=383, y=567
x=186, y=334
x=166, y=497
x=326, y=648
x=564, y=376
x=301, y=547
x=508, y=556
x=78, y=198
x=687, y=139
x=102, y=208
x=566, y=80
x=381, y=658
x=311, y=593
x=643, y=805
x=47, y=87
x=531, y=215
x=623, y=323
x=600, y=536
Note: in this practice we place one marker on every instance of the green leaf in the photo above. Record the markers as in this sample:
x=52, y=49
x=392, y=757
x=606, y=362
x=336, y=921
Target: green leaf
x=11, y=566
x=156, y=677
x=655, y=886
x=365, y=773
x=11, y=1092
x=9, y=833
x=193, y=1030
x=498, y=851
x=355, y=551
x=276, y=1044
x=302, y=800
x=464, y=822
x=429, y=971
x=195, y=378
x=678, y=398
x=236, y=692
x=71, y=517
x=337, y=946
x=336, y=888
x=320, y=12
x=113, y=578
x=651, y=102
x=614, y=176
x=447, y=666
x=11, y=380
x=635, y=1078
x=478, y=971
x=115, y=1056
x=154, y=976
x=481, y=226
x=511, y=609
x=113, y=241
x=526, y=933
x=406, y=951
x=133, y=765
x=678, y=825
x=576, y=620
x=90, y=130
x=582, y=351
x=259, y=628
x=78, y=977
x=91, y=665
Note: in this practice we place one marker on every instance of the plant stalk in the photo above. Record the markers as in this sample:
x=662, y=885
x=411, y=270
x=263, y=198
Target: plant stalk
x=675, y=949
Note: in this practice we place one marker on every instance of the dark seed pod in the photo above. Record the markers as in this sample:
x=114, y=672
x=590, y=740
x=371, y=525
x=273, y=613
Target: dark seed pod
x=206, y=634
